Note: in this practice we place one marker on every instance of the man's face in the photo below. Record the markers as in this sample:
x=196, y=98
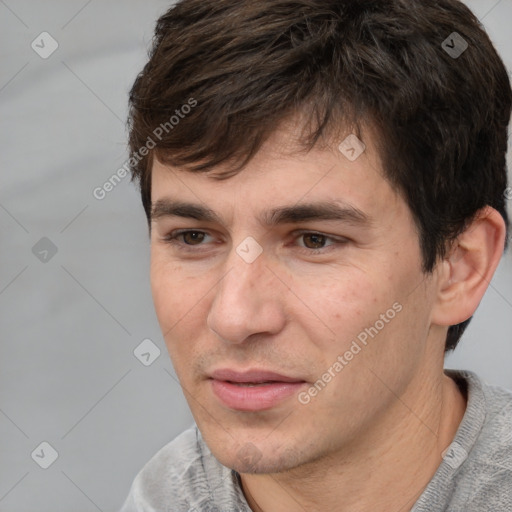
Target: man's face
x=331, y=274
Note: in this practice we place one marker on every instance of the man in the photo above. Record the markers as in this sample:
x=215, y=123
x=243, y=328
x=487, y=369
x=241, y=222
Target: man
x=325, y=184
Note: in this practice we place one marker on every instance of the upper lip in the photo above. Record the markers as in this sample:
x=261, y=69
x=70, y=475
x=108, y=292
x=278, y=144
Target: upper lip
x=255, y=376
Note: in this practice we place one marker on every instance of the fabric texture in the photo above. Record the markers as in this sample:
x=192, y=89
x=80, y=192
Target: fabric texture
x=474, y=476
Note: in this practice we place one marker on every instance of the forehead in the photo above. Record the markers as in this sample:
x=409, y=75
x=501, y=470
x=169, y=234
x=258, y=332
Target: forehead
x=281, y=174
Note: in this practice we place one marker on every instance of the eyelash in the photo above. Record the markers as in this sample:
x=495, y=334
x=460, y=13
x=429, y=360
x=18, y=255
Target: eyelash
x=173, y=239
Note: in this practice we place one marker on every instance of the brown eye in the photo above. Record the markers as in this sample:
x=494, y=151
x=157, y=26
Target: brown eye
x=193, y=237
x=314, y=240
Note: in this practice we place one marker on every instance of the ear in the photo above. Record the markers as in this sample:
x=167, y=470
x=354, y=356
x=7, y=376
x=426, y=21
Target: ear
x=465, y=274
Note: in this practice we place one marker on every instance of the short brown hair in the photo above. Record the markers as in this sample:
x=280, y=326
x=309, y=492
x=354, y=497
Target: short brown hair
x=246, y=65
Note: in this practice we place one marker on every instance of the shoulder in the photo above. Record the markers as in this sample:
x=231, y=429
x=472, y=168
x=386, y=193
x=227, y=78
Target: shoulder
x=182, y=476
x=494, y=443
x=486, y=476
x=475, y=474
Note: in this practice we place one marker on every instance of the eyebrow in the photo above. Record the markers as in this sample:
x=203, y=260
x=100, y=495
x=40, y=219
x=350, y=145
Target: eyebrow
x=294, y=214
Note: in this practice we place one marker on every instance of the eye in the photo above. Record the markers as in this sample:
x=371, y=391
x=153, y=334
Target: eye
x=187, y=237
x=311, y=242
x=192, y=237
x=314, y=240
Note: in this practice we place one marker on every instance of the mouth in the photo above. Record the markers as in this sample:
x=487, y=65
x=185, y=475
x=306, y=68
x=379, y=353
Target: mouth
x=251, y=384
x=253, y=390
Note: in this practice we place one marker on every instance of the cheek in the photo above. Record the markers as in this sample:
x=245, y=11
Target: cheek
x=174, y=294
x=335, y=303
x=351, y=304
x=178, y=307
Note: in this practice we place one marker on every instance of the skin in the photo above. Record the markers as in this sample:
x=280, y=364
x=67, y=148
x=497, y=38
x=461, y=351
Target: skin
x=372, y=438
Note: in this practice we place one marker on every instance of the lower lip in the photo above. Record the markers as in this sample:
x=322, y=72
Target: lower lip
x=254, y=398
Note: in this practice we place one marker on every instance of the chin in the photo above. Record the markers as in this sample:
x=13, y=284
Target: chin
x=249, y=458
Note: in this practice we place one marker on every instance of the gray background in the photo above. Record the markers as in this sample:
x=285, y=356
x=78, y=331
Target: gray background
x=71, y=321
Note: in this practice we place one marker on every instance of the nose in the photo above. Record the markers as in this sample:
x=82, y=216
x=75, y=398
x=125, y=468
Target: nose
x=246, y=302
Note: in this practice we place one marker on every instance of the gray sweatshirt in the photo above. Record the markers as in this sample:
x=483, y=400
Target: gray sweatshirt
x=474, y=476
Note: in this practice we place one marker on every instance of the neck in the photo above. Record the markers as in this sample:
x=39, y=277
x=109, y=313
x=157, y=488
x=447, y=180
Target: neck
x=386, y=468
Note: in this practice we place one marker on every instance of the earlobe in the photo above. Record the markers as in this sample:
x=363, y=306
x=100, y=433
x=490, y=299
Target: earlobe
x=465, y=273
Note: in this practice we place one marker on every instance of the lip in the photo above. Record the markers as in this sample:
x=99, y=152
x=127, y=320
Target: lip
x=262, y=390
x=251, y=376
